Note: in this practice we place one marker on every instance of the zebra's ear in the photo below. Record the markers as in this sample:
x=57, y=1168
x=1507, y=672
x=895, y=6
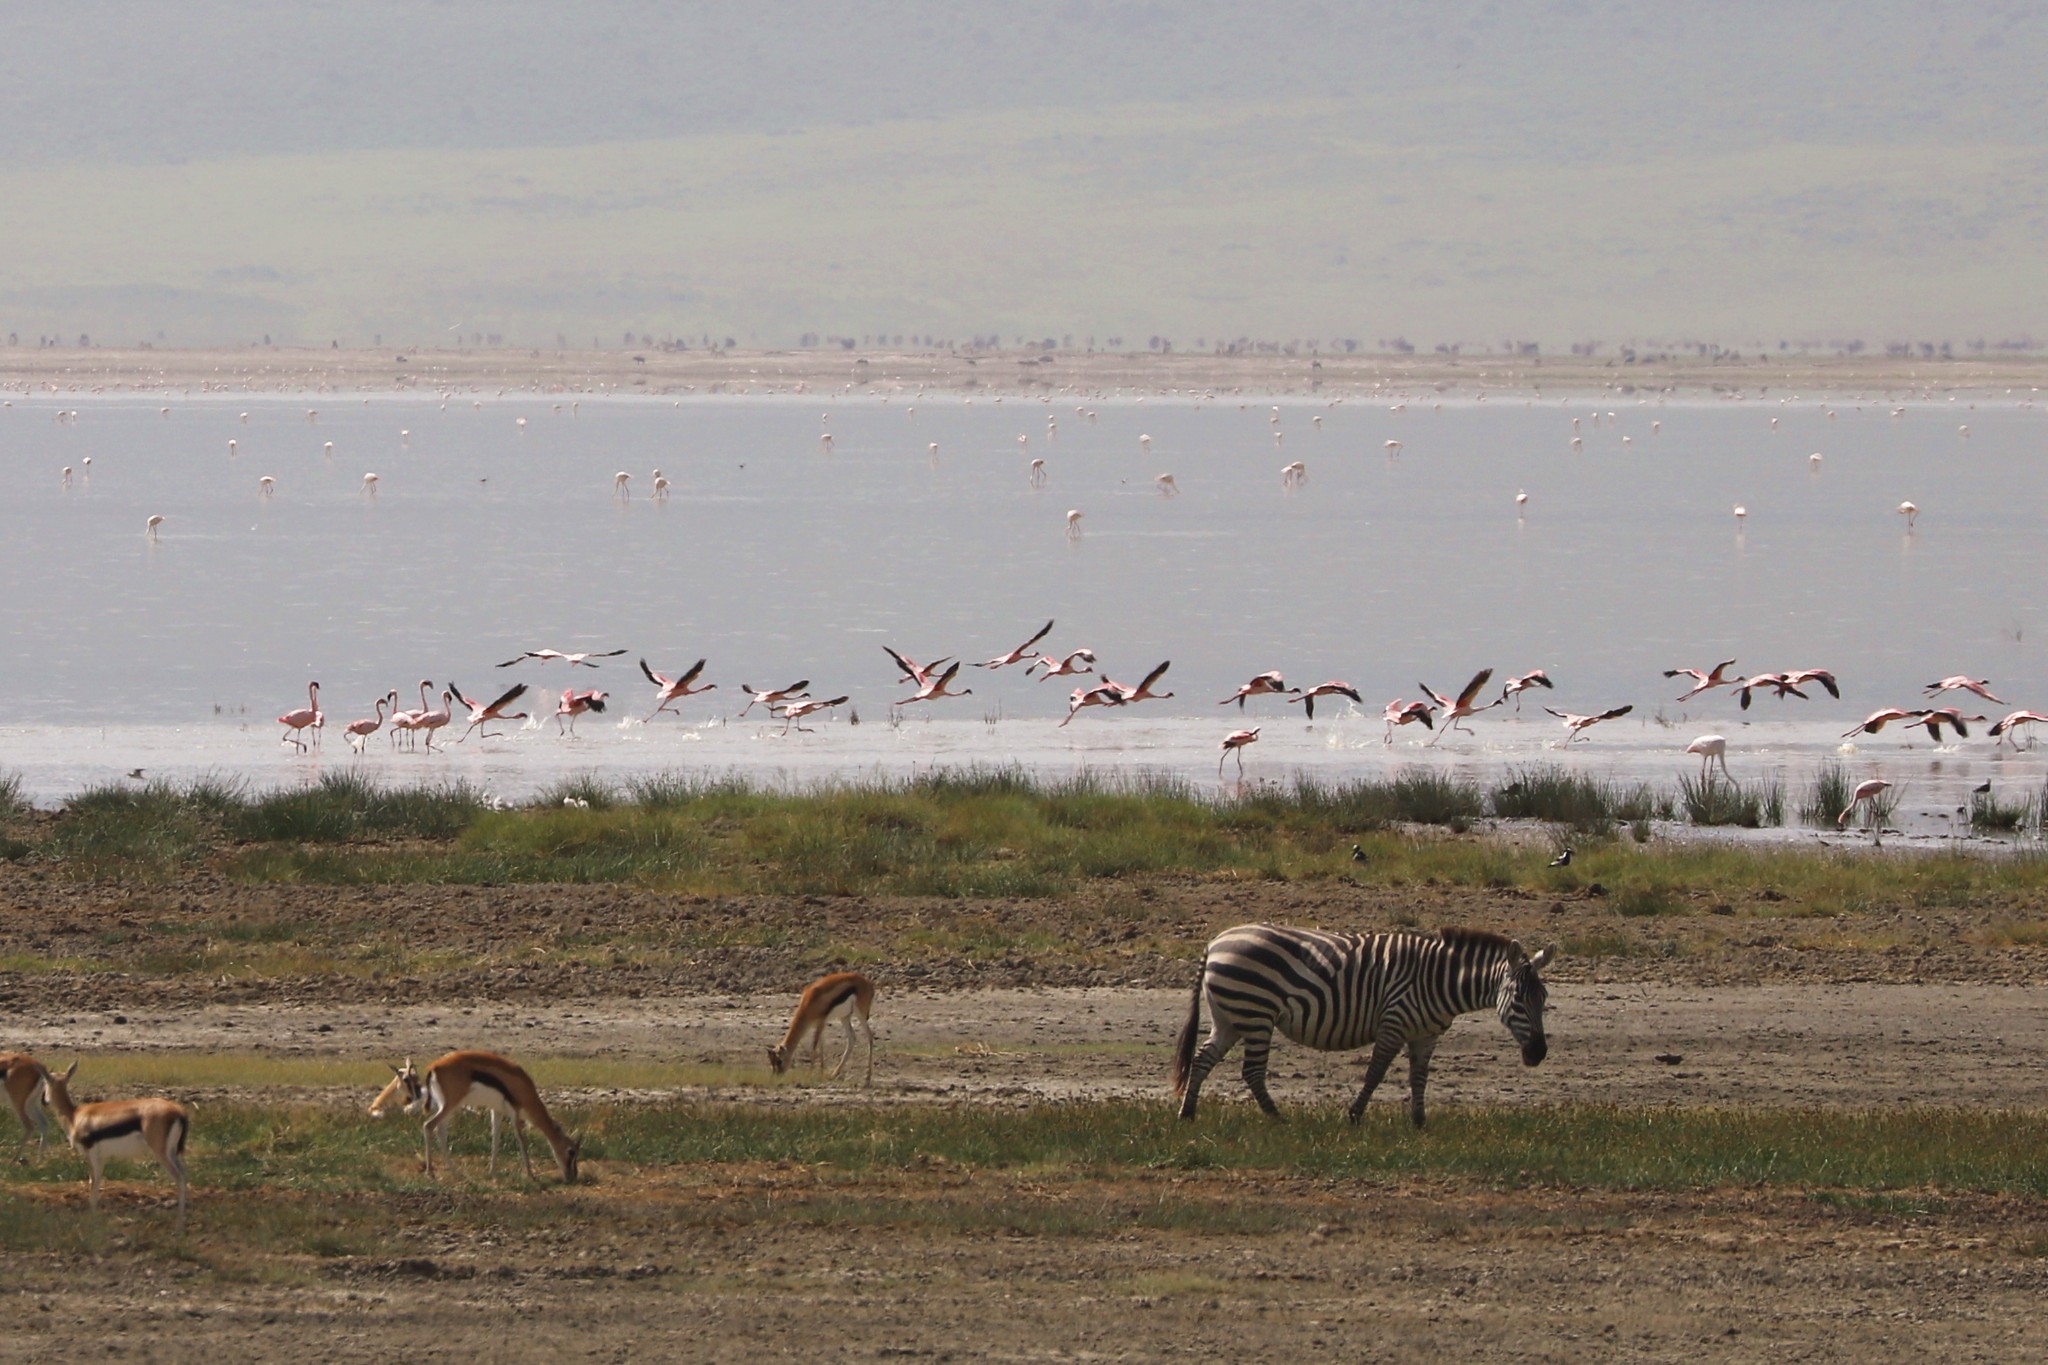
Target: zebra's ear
x=1542, y=957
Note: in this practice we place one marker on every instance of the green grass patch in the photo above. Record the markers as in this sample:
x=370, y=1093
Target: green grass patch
x=1709, y=800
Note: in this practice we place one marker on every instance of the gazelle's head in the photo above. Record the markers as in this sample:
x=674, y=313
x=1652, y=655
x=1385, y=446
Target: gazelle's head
x=1521, y=1000
x=570, y=1159
x=778, y=1059
x=403, y=1093
x=57, y=1090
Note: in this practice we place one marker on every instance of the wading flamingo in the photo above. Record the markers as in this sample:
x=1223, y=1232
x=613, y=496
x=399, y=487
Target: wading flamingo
x=1233, y=743
x=1711, y=749
x=306, y=717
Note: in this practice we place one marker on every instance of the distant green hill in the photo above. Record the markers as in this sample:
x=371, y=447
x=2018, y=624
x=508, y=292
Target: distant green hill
x=1481, y=173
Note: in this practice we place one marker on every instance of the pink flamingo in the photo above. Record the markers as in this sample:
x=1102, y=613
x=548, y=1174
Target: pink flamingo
x=1143, y=691
x=1577, y=725
x=1865, y=792
x=774, y=697
x=574, y=704
x=1456, y=711
x=1703, y=682
x=1799, y=677
x=1102, y=694
x=674, y=689
x=480, y=716
x=1877, y=720
x=1781, y=684
x=1080, y=661
x=547, y=655
x=1020, y=653
x=913, y=671
x=1710, y=748
x=1948, y=715
x=1265, y=684
x=359, y=731
x=2006, y=728
x=1233, y=743
x=296, y=722
x=1959, y=683
x=932, y=688
x=1325, y=689
x=1400, y=712
x=1515, y=687
x=407, y=722
x=432, y=722
x=793, y=711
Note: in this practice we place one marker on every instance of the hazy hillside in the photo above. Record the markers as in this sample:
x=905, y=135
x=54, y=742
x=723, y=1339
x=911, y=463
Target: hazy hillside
x=1477, y=171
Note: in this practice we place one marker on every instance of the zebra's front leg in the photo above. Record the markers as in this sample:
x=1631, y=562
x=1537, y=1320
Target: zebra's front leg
x=1419, y=1053
x=1256, y=1050
x=1383, y=1055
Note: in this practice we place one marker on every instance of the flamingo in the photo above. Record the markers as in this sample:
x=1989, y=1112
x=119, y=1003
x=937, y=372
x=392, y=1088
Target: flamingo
x=149, y=527
x=620, y=482
x=1577, y=725
x=1020, y=653
x=265, y=486
x=480, y=716
x=435, y=720
x=1037, y=474
x=1325, y=689
x=1167, y=487
x=913, y=671
x=1910, y=513
x=1264, y=684
x=673, y=689
x=1073, y=523
x=1080, y=661
x=574, y=704
x=370, y=485
x=1233, y=743
x=1521, y=500
x=1703, y=682
x=1800, y=676
x=1391, y=447
x=1959, y=683
x=1710, y=748
x=548, y=655
x=1866, y=792
x=1455, y=711
x=359, y=731
x=1293, y=475
x=1780, y=682
x=1515, y=687
x=932, y=687
x=1877, y=720
x=1948, y=715
x=2006, y=728
x=1143, y=691
x=774, y=697
x=1399, y=712
x=661, y=487
x=794, y=711
x=1102, y=694
x=297, y=721
x=408, y=722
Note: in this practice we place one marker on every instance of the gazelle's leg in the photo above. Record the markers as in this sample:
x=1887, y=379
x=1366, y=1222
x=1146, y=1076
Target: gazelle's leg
x=519, y=1131
x=494, y=1141
x=867, y=1027
x=175, y=1164
x=95, y=1160
x=847, y=1055
x=818, y=1043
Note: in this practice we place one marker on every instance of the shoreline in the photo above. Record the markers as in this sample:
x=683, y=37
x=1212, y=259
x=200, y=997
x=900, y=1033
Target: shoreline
x=284, y=370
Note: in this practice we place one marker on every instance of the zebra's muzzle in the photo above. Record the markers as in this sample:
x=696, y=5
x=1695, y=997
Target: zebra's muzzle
x=1534, y=1051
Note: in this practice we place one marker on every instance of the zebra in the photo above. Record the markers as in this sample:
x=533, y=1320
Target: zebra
x=1336, y=992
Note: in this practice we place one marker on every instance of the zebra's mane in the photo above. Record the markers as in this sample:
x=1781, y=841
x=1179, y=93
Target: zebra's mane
x=1482, y=940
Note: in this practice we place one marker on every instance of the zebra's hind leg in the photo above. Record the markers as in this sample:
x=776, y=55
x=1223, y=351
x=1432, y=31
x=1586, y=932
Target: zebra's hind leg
x=1221, y=1039
x=1418, y=1075
x=1256, y=1048
x=1383, y=1055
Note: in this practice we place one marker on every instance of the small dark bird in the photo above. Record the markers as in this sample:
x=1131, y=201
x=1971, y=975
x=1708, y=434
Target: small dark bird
x=1671, y=1058
x=136, y=773
x=1983, y=790
x=1358, y=854
x=1563, y=859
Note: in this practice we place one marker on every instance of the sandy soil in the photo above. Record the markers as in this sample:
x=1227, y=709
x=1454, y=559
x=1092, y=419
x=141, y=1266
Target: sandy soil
x=286, y=370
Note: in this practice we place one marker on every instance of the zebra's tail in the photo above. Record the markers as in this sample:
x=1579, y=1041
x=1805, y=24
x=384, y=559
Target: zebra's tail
x=1184, y=1049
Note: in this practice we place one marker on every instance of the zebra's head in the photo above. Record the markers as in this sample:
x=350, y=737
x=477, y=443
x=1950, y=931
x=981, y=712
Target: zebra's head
x=1520, y=1003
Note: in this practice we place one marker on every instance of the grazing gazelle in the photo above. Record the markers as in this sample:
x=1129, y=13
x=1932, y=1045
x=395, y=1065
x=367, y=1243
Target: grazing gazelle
x=839, y=995
x=130, y=1130
x=482, y=1080
x=22, y=1077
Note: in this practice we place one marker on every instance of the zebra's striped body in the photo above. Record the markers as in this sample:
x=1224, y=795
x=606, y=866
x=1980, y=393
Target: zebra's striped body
x=1337, y=992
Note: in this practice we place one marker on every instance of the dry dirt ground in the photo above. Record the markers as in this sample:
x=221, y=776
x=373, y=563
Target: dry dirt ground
x=723, y=1263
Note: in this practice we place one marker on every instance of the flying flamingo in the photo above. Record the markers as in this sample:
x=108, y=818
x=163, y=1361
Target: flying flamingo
x=1710, y=748
x=1400, y=712
x=1799, y=677
x=1325, y=689
x=1234, y=742
x=674, y=689
x=359, y=731
x=913, y=671
x=774, y=697
x=1959, y=683
x=931, y=688
x=296, y=722
x=1515, y=687
x=574, y=704
x=1780, y=682
x=548, y=655
x=1456, y=711
x=1866, y=792
x=1703, y=682
x=1877, y=720
x=1264, y=684
x=794, y=711
x=1080, y=661
x=1102, y=694
x=2006, y=728
x=1020, y=653
x=480, y=716
x=1143, y=691
x=1948, y=715
x=1577, y=725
